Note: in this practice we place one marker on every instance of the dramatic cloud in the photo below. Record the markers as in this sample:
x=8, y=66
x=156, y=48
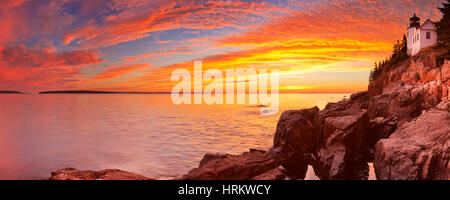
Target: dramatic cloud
x=133, y=24
x=36, y=69
x=365, y=21
x=335, y=36
x=325, y=45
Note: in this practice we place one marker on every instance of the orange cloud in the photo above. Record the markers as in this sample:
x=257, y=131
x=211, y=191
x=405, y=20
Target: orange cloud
x=291, y=61
x=35, y=69
x=359, y=21
x=120, y=71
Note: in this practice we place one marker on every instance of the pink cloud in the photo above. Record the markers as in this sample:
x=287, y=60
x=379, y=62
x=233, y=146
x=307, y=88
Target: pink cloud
x=11, y=3
x=24, y=57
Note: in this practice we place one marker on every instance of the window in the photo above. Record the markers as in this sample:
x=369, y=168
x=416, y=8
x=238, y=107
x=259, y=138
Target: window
x=428, y=35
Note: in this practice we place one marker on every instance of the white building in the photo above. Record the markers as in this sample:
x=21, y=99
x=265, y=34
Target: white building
x=420, y=36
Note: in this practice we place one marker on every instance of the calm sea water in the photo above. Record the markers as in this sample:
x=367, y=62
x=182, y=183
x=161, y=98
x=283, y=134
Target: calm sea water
x=141, y=133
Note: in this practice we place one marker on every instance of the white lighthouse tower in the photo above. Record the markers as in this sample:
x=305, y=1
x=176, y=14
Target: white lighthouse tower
x=414, y=24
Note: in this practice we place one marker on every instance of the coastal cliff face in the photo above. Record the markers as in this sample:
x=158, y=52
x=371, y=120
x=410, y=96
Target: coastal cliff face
x=401, y=124
x=410, y=87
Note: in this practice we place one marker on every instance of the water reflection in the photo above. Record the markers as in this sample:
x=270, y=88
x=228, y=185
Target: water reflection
x=146, y=134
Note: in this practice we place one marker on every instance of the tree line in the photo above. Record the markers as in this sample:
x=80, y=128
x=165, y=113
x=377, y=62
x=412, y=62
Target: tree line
x=399, y=53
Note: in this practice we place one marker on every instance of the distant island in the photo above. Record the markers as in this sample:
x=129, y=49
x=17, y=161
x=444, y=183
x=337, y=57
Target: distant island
x=96, y=92
x=9, y=92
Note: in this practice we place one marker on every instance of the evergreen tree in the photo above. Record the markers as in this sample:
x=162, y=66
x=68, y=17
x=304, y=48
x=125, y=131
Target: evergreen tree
x=443, y=26
x=404, y=45
x=396, y=49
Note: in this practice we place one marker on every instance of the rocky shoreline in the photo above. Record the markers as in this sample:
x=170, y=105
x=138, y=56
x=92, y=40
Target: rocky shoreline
x=401, y=124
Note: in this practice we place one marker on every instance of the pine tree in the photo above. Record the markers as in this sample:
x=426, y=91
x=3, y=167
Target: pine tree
x=373, y=73
x=404, y=47
x=443, y=26
x=396, y=49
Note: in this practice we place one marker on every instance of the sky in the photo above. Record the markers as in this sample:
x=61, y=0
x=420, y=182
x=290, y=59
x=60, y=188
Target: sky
x=135, y=45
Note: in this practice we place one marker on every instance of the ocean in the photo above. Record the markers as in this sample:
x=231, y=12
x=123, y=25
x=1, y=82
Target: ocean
x=141, y=133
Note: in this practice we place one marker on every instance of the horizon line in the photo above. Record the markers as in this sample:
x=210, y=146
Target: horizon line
x=159, y=92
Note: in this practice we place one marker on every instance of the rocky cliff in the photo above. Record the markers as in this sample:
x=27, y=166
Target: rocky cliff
x=401, y=124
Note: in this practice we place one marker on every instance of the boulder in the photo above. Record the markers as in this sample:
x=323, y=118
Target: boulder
x=108, y=174
x=232, y=167
x=295, y=140
x=344, y=152
x=418, y=150
x=335, y=141
x=380, y=128
x=405, y=102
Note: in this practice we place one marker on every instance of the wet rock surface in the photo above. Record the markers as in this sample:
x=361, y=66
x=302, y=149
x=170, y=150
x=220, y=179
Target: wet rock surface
x=232, y=167
x=108, y=174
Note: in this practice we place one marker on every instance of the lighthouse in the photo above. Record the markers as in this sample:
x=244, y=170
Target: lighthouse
x=414, y=23
x=420, y=36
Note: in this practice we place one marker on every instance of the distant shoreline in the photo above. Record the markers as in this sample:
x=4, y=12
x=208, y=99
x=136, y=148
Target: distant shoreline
x=111, y=92
x=10, y=92
x=96, y=92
